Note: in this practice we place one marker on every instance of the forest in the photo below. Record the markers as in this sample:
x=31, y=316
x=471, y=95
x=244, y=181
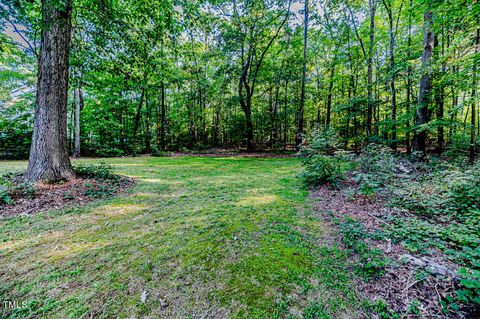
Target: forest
x=239, y=159
x=155, y=76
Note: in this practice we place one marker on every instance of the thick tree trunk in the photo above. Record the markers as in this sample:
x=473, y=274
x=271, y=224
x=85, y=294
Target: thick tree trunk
x=49, y=152
x=420, y=137
x=299, y=137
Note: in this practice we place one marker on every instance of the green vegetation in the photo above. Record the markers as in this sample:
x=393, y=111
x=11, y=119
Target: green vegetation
x=380, y=98
x=370, y=261
x=11, y=188
x=148, y=76
x=434, y=204
x=319, y=167
x=227, y=237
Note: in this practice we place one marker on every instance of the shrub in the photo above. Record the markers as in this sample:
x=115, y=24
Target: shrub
x=320, y=166
x=320, y=142
x=320, y=170
x=109, y=152
x=101, y=170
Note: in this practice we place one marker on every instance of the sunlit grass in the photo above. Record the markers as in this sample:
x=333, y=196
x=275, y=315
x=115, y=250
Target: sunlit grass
x=213, y=237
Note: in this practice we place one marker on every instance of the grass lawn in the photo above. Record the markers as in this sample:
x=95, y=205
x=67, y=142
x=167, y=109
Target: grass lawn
x=194, y=238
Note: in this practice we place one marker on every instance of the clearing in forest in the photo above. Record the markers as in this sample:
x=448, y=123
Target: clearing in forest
x=194, y=238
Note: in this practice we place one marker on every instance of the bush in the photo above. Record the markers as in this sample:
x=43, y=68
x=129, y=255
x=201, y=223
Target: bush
x=448, y=191
x=320, y=142
x=320, y=166
x=109, y=152
x=101, y=170
x=320, y=170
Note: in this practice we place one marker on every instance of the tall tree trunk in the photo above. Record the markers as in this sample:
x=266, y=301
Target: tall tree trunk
x=439, y=100
x=138, y=114
x=372, y=9
x=274, y=111
x=329, y=96
x=148, y=131
x=409, y=81
x=393, y=93
x=163, y=113
x=420, y=137
x=49, y=152
x=299, y=136
x=474, y=84
x=78, y=98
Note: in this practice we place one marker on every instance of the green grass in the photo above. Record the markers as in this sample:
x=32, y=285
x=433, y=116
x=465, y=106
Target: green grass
x=200, y=237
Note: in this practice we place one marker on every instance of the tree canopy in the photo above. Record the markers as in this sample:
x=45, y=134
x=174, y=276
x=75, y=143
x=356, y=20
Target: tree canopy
x=163, y=75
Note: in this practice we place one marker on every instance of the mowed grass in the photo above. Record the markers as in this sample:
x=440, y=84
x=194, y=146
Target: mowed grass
x=194, y=238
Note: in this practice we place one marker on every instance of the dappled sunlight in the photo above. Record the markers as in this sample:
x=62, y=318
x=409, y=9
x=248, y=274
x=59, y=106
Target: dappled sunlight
x=121, y=209
x=255, y=200
x=67, y=249
x=177, y=226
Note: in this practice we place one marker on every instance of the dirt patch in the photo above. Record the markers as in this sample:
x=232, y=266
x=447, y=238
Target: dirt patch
x=77, y=192
x=408, y=286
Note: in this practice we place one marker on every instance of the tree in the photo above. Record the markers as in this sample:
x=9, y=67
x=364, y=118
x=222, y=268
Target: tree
x=298, y=140
x=474, y=86
x=49, y=151
x=421, y=118
x=392, y=30
x=252, y=56
x=78, y=102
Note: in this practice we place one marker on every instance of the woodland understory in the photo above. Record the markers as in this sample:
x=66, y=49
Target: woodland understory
x=239, y=159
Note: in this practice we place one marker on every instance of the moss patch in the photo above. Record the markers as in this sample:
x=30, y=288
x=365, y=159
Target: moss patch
x=214, y=237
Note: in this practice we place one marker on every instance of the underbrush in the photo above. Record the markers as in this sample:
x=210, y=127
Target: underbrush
x=321, y=165
x=13, y=187
x=369, y=262
x=94, y=181
x=434, y=204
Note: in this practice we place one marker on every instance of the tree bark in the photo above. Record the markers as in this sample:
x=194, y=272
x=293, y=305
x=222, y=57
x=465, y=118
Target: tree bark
x=49, y=159
x=420, y=136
